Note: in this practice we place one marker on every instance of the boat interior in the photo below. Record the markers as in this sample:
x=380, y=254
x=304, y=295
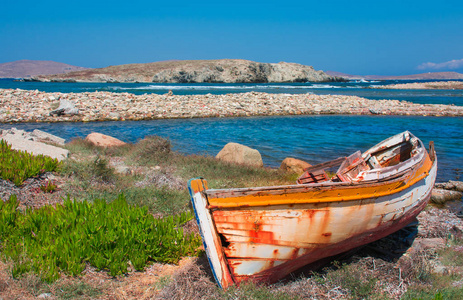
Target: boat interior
x=391, y=152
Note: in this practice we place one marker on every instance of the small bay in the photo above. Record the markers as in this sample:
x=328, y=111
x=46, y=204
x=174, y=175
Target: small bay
x=311, y=138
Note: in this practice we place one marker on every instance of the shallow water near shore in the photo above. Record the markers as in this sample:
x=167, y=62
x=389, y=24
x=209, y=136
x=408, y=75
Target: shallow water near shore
x=312, y=138
x=363, y=89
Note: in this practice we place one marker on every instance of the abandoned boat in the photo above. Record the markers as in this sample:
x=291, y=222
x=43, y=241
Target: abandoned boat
x=265, y=233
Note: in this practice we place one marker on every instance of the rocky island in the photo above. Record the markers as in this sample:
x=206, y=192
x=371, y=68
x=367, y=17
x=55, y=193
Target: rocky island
x=197, y=71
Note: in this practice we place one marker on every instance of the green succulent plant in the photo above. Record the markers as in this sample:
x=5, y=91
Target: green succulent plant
x=16, y=166
x=51, y=240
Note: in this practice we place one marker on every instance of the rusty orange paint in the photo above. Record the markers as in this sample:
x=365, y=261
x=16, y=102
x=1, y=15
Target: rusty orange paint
x=198, y=185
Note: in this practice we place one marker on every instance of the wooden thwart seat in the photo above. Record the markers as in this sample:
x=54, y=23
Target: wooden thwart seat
x=317, y=173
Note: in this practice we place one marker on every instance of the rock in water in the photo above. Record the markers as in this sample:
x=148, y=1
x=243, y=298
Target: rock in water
x=102, y=140
x=451, y=185
x=240, y=154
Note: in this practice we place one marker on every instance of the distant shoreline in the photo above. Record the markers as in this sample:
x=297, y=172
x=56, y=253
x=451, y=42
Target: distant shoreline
x=434, y=85
x=23, y=106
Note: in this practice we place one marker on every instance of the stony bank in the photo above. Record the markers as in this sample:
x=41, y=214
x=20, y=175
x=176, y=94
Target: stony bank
x=35, y=106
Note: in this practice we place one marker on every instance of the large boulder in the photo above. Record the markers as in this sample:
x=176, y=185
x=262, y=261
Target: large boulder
x=440, y=196
x=240, y=154
x=46, y=137
x=36, y=136
x=102, y=140
x=294, y=165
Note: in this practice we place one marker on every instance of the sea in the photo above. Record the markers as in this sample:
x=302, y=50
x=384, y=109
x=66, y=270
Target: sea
x=314, y=138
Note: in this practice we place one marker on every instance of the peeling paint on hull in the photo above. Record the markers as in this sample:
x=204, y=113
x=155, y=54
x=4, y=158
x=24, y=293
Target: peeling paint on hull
x=263, y=234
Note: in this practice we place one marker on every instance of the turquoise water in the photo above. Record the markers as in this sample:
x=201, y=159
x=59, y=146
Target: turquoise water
x=311, y=138
x=361, y=89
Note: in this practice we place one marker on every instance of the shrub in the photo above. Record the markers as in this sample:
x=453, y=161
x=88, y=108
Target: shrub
x=159, y=200
x=106, y=235
x=89, y=172
x=250, y=290
x=151, y=150
x=16, y=166
x=220, y=174
x=76, y=290
x=452, y=255
x=428, y=292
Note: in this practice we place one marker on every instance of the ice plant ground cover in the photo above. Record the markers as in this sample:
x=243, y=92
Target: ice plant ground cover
x=16, y=166
x=108, y=236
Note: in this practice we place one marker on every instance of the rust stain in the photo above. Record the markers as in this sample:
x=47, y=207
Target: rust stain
x=325, y=222
x=264, y=237
x=294, y=254
x=380, y=220
x=256, y=226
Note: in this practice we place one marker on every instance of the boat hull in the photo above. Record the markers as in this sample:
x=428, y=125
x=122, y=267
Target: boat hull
x=264, y=234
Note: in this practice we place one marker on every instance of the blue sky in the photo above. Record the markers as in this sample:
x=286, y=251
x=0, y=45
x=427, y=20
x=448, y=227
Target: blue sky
x=355, y=37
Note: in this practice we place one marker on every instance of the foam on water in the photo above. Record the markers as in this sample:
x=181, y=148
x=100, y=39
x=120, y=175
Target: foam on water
x=324, y=86
x=227, y=87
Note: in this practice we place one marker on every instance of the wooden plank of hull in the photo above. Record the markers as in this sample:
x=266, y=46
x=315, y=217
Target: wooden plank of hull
x=277, y=272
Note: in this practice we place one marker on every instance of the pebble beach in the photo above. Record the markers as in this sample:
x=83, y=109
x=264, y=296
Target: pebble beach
x=34, y=106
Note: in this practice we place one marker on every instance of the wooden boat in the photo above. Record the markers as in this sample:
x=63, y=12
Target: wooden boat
x=265, y=233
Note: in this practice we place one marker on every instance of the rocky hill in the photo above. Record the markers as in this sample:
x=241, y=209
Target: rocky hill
x=29, y=68
x=422, y=76
x=193, y=71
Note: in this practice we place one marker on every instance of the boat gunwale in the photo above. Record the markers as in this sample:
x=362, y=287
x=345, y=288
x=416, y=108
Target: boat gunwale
x=295, y=188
